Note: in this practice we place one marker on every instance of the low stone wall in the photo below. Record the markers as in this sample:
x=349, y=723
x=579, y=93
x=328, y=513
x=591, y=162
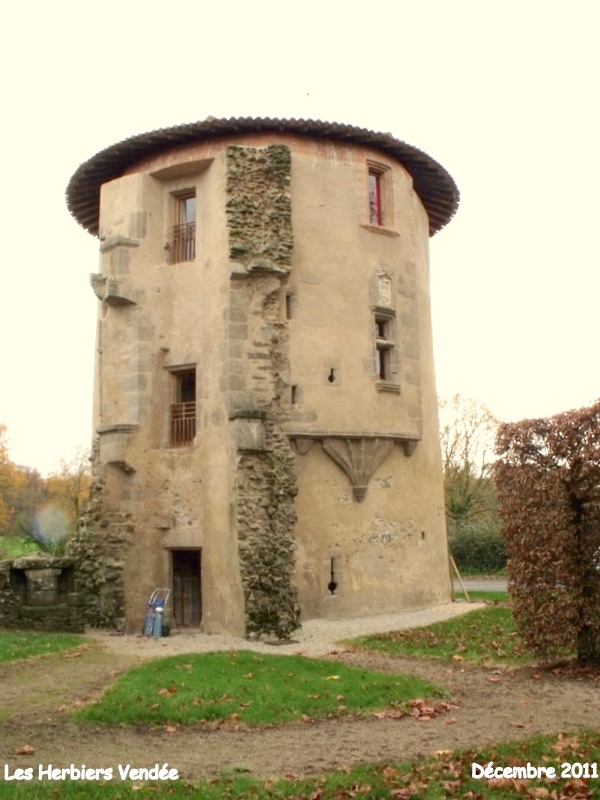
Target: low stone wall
x=36, y=593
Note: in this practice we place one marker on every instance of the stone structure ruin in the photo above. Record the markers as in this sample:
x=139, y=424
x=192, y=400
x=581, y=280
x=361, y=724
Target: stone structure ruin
x=37, y=593
x=265, y=408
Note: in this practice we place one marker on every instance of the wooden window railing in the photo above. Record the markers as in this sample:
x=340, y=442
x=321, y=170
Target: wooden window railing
x=183, y=424
x=184, y=242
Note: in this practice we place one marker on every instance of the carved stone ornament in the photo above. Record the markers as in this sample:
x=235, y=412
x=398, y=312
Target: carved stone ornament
x=303, y=445
x=384, y=290
x=249, y=435
x=358, y=458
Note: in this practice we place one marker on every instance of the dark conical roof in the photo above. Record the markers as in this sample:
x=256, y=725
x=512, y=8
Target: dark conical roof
x=433, y=184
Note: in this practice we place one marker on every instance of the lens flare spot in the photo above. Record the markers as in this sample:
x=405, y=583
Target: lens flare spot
x=50, y=524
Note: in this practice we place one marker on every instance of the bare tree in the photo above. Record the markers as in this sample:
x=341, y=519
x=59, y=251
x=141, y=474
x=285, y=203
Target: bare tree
x=467, y=432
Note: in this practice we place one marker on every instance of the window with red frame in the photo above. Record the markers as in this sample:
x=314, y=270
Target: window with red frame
x=375, y=210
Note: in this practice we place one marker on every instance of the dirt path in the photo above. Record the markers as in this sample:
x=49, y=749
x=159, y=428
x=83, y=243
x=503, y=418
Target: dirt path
x=494, y=705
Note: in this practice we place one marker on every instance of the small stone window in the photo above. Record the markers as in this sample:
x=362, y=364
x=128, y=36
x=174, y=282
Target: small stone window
x=385, y=348
x=184, y=228
x=380, y=202
x=290, y=305
x=375, y=210
x=183, y=407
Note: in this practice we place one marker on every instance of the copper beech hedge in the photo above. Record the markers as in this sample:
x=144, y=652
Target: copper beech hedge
x=548, y=480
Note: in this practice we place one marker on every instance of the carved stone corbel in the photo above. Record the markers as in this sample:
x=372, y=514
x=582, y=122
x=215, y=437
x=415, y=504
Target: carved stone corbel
x=303, y=445
x=112, y=291
x=358, y=458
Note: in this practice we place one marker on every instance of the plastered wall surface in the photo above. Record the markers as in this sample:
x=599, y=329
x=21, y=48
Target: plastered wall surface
x=313, y=487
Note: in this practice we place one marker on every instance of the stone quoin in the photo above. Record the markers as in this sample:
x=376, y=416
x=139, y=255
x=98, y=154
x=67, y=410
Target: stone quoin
x=265, y=413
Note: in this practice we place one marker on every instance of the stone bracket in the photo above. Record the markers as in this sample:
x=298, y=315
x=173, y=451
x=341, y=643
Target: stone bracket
x=112, y=291
x=117, y=241
x=357, y=455
x=303, y=445
x=113, y=445
x=248, y=429
x=98, y=283
x=409, y=446
x=249, y=435
x=358, y=458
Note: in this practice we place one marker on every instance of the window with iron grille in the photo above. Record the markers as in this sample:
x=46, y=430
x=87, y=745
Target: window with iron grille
x=184, y=229
x=183, y=408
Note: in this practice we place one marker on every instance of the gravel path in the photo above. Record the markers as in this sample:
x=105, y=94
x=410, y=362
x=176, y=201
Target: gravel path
x=481, y=585
x=316, y=637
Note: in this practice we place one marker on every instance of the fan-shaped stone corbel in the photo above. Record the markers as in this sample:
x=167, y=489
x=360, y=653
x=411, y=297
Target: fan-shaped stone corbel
x=358, y=458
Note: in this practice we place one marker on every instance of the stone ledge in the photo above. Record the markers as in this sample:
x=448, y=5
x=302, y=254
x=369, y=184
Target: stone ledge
x=118, y=427
x=387, y=386
x=118, y=241
x=304, y=440
x=383, y=231
x=395, y=436
x=247, y=413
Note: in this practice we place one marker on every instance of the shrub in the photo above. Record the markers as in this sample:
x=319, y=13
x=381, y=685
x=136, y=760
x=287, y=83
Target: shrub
x=477, y=545
x=548, y=480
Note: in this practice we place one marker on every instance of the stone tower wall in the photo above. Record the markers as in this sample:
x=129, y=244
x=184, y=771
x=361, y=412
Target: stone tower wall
x=311, y=480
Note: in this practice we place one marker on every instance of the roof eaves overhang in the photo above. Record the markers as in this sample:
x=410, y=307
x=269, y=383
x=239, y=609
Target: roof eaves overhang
x=433, y=184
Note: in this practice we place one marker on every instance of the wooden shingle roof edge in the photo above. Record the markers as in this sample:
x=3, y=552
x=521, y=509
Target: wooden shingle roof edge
x=433, y=184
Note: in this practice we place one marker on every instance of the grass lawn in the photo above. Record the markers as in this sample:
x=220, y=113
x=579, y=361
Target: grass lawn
x=476, y=575
x=22, y=644
x=446, y=775
x=484, y=635
x=13, y=547
x=249, y=688
x=487, y=597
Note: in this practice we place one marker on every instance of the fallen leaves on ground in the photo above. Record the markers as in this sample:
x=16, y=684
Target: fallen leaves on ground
x=25, y=750
x=421, y=710
x=391, y=713
x=424, y=710
x=167, y=692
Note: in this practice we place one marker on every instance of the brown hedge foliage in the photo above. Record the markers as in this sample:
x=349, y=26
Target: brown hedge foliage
x=548, y=480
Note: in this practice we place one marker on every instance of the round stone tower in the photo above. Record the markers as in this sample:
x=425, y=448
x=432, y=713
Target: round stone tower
x=265, y=403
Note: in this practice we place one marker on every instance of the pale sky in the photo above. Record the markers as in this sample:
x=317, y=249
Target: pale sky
x=503, y=95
